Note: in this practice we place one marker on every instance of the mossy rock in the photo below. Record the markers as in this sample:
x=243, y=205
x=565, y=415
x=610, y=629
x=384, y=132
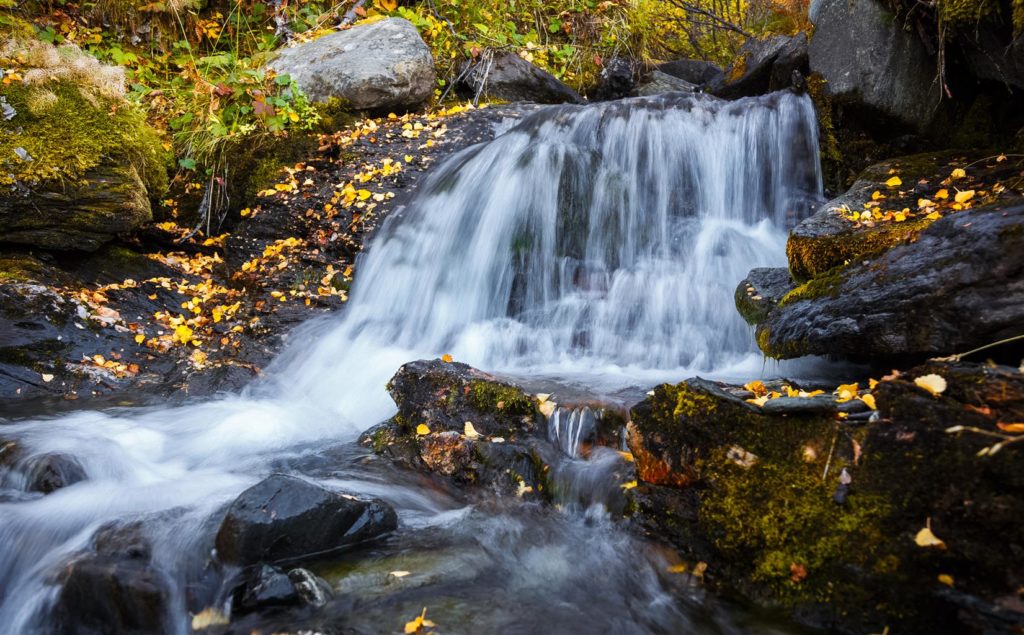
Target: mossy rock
x=76, y=168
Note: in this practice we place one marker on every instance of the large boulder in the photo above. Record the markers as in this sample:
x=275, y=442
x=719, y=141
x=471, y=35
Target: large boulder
x=78, y=164
x=868, y=60
x=283, y=518
x=826, y=513
x=697, y=72
x=658, y=82
x=508, y=77
x=763, y=66
x=384, y=65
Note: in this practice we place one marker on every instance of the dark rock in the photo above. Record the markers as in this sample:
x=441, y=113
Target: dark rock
x=821, y=404
x=696, y=72
x=959, y=286
x=657, y=82
x=993, y=54
x=49, y=472
x=283, y=518
x=762, y=289
x=114, y=588
x=617, y=80
x=867, y=60
x=445, y=395
x=268, y=587
x=377, y=66
x=763, y=66
x=508, y=77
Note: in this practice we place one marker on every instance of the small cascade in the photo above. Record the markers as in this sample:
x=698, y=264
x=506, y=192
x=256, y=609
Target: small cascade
x=570, y=428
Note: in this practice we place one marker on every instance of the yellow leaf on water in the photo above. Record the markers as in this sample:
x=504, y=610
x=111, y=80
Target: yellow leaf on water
x=963, y=197
x=208, y=617
x=422, y=429
x=958, y=173
x=894, y=182
x=925, y=538
x=470, y=431
x=419, y=623
x=446, y=358
x=869, y=399
x=934, y=384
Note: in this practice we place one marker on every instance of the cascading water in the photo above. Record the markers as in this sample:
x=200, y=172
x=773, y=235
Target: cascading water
x=601, y=241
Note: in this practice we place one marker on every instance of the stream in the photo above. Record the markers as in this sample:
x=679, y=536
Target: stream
x=595, y=246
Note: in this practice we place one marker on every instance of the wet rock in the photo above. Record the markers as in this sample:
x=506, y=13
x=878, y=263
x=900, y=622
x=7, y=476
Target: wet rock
x=658, y=82
x=821, y=404
x=869, y=61
x=959, y=286
x=761, y=291
x=377, y=66
x=617, y=80
x=266, y=587
x=283, y=518
x=508, y=77
x=114, y=588
x=763, y=66
x=696, y=72
x=810, y=513
x=49, y=472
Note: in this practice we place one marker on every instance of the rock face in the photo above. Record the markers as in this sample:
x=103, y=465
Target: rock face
x=763, y=66
x=283, y=518
x=114, y=588
x=761, y=291
x=809, y=510
x=378, y=66
x=508, y=77
x=696, y=72
x=869, y=61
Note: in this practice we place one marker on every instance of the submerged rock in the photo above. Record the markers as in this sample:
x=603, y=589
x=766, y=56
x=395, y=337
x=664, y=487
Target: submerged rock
x=114, y=587
x=825, y=517
x=508, y=77
x=50, y=472
x=283, y=518
x=376, y=66
x=267, y=587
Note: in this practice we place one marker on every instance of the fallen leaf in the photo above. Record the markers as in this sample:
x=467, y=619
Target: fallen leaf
x=470, y=431
x=797, y=572
x=942, y=194
x=846, y=392
x=1015, y=428
x=419, y=623
x=958, y=173
x=677, y=568
x=963, y=197
x=894, y=182
x=756, y=387
x=208, y=617
x=925, y=538
x=869, y=399
x=140, y=338
x=47, y=377
x=398, y=574
x=446, y=358
x=946, y=579
x=548, y=408
x=422, y=429
x=628, y=486
x=934, y=384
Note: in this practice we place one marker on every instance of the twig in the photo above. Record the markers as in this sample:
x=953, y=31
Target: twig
x=959, y=356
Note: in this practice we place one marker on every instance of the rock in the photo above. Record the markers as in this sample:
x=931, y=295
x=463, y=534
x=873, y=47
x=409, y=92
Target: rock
x=508, y=77
x=283, y=518
x=959, y=286
x=869, y=61
x=657, y=82
x=696, y=72
x=49, y=472
x=267, y=587
x=761, y=291
x=821, y=404
x=763, y=66
x=617, y=80
x=384, y=65
x=808, y=513
x=445, y=395
x=114, y=588
x=78, y=164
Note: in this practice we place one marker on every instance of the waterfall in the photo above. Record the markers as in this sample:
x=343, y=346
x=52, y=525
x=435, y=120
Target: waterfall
x=599, y=241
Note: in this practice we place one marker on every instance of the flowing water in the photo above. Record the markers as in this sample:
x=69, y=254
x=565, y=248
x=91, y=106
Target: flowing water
x=599, y=245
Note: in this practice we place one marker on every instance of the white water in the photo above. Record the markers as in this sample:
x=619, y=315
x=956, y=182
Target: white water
x=602, y=242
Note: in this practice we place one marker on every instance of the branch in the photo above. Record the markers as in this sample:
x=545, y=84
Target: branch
x=710, y=15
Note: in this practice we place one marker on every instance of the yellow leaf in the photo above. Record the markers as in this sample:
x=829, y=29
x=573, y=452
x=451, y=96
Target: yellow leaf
x=760, y=401
x=923, y=202
x=958, y=173
x=208, y=617
x=934, y=216
x=946, y=579
x=869, y=399
x=894, y=182
x=925, y=538
x=446, y=358
x=934, y=384
x=547, y=408
x=677, y=568
x=422, y=429
x=899, y=217
x=183, y=334
x=417, y=624
x=140, y=338
x=963, y=197
x=1014, y=428
x=876, y=195
x=756, y=387
x=942, y=194
x=387, y=5
x=628, y=486
x=47, y=377
x=846, y=392
x=363, y=194
x=470, y=431
x=626, y=456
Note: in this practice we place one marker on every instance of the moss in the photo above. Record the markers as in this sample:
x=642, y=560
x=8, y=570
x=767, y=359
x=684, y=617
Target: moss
x=828, y=144
x=690, y=403
x=963, y=14
x=826, y=284
x=491, y=397
x=812, y=256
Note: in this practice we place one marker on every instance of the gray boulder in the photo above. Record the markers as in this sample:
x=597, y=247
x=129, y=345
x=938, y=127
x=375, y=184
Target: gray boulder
x=694, y=71
x=763, y=66
x=508, y=77
x=658, y=82
x=868, y=60
x=378, y=66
